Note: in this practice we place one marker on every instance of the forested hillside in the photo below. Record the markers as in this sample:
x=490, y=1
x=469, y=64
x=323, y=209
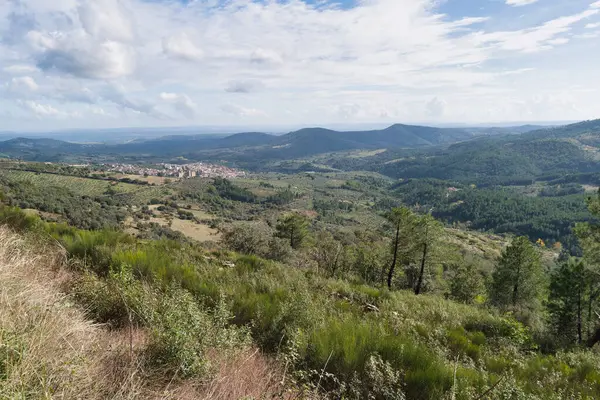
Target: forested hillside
x=250, y=146
x=398, y=307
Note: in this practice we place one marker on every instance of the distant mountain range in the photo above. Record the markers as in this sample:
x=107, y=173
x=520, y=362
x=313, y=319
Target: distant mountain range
x=550, y=153
x=301, y=143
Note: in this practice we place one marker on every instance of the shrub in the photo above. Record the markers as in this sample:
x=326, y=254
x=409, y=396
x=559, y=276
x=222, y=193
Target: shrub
x=118, y=300
x=501, y=328
x=182, y=333
x=348, y=344
x=17, y=219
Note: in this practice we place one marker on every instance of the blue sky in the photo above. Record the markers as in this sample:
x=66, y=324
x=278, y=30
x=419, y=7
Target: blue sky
x=116, y=63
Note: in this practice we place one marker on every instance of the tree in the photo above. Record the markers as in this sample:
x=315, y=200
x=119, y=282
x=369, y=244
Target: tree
x=466, y=282
x=589, y=239
x=370, y=256
x=568, y=292
x=403, y=221
x=428, y=231
x=517, y=282
x=247, y=237
x=293, y=227
x=327, y=252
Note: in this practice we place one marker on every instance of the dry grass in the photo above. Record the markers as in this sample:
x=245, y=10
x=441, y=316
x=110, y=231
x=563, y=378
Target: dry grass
x=48, y=350
x=193, y=230
x=157, y=180
x=245, y=375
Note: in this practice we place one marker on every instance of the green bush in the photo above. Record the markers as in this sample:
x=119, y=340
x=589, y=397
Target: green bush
x=118, y=300
x=348, y=345
x=182, y=332
x=501, y=328
x=461, y=343
x=17, y=219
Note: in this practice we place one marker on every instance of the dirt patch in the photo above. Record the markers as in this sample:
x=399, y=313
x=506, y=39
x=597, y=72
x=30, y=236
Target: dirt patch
x=202, y=215
x=156, y=180
x=193, y=230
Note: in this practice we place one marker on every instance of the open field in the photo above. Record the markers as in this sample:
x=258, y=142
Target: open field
x=153, y=180
x=193, y=230
x=366, y=153
x=82, y=186
x=140, y=194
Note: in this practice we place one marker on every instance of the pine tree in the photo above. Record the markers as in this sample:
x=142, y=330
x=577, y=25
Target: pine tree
x=466, y=282
x=428, y=233
x=589, y=239
x=568, y=295
x=518, y=281
x=403, y=221
x=293, y=227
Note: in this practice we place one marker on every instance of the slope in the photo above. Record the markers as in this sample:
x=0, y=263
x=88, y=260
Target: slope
x=50, y=349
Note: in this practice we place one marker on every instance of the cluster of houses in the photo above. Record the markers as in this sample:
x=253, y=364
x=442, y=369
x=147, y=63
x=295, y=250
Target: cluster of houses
x=177, y=170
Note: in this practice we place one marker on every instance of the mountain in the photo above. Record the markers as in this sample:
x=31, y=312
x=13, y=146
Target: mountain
x=586, y=133
x=42, y=149
x=253, y=145
x=247, y=139
x=313, y=141
x=506, y=159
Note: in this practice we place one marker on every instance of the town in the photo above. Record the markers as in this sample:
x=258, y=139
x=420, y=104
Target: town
x=176, y=170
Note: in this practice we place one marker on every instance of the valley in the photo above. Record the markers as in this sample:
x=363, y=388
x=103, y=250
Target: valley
x=338, y=262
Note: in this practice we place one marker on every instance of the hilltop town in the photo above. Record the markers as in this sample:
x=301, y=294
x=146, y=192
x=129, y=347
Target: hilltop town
x=176, y=170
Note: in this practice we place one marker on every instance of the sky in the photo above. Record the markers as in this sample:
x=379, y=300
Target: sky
x=119, y=63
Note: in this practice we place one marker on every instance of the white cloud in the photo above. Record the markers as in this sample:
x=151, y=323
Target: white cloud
x=593, y=26
x=245, y=86
x=77, y=55
x=590, y=35
x=107, y=20
x=519, y=3
x=240, y=111
x=119, y=97
x=436, y=107
x=182, y=47
x=40, y=109
x=265, y=56
x=24, y=83
x=45, y=110
x=19, y=69
x=181, y=102
x=535, y=39
x=377, y=60
x=558, y=41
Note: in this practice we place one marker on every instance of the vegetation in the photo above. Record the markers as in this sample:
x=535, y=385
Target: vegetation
x=517, y=282
x=293, y=227
x=332, y=284
x=343, y=337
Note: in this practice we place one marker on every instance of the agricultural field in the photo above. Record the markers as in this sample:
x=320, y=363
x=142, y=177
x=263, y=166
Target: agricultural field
x=81, y=186
x=152, y=180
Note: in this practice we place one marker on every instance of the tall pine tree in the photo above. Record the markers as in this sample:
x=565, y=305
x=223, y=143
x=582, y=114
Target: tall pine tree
x=518, y=281
x=567, y=301
x=589, y=238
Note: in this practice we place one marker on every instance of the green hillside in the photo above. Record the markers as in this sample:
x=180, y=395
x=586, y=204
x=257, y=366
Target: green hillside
x=368, y=340
x=447, y=324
